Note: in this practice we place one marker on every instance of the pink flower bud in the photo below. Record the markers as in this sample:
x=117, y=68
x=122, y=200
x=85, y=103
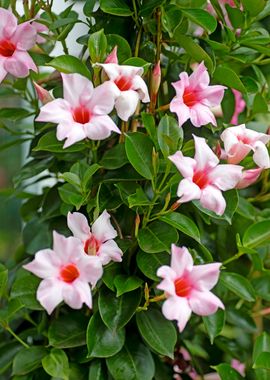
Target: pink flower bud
x=249, y=177
x=43, y=95
x=156, y=79
x=112, y=57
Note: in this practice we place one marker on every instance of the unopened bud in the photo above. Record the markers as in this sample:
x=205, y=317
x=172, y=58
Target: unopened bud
x=156, y=79
x=137, y=223
x=43, y=95
x=175, y=205
x=112, y=57
x=248, y=178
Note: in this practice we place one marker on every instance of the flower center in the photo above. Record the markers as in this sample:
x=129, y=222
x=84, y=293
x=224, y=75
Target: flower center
x=7, y=48
x=200, y=179
x=81, y=115
x=91, y=246
x=69, y=273
x=190, y=97
x=123, y=83
x=244, y=139
x=182, y=286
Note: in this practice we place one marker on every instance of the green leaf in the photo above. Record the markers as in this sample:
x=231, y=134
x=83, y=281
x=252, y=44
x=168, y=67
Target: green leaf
x=70, y=195
x=202, y=18
x=115, y=7
x=70, y=65
x=157, y=332
x=262, y=344
x=3, y=279
x=170, y=135
x=97, y=45
x=261, y=285
x=226, y=372
x=228, y=77
x=56, y=364
x=257, y=235
x=88, y=175
x=182, y=223
x=97, y=371
x=259, y=104
x=116, y=312
x=157, y=237
x=214, y=324
x=238, y=285
x=254, y=7
x=68, y=330
x=138, y=62
x=149, y=263
x=109, y=274
x=236, y=17
x=138, y=199
x=262, y=361
x=149, y=124
x=125, y=283
x=189, y=3
x=14, y=114
x=114, y=158
x=72, y=178
x=101, y=341
x=88, y=7
x=49, y=143
x=133, y=362
x=28, y=359
x=7, y=353
x=193, y=49
x=139, y=152
x=123, y=48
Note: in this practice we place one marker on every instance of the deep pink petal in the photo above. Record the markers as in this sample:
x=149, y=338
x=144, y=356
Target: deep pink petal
x=45, y=264
x=204, y=156
x=248, y=178
x=25, y=36
x=78, y=90
x=109, y=251
x=188, y=190
x=184, y=164
x=8, y=23
x=126, y=104
x=100, y=127
x=226, y=177
x=204, y=303
x=205, y=277
x=181, y=260
x=212, y=199
x=56, y=111
x=177, y=308
x=49, y=294
x=103, y=99
x=261, y=155
x=181, y=84
x=201, y=115
x=78, y=225
x=102, y=228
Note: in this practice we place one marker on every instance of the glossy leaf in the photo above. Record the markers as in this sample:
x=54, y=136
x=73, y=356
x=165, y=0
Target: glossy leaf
x=202, y=18
x=28, y=359
x=238, y=285
x=170, y=135
x=69, y=64
x=214, y=324
x=115, y=7
x=257, y=235
x=150, y=262
x=157, y=237
x=125, y=283
x=226, y=372
x=182, y=223
x=56, y=364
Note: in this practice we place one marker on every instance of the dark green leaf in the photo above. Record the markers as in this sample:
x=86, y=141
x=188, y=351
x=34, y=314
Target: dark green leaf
x=114, y=158
x=157, y=237
x=257, y=235
x=226, y=372
x=214, y=324
x=97, y=46
x=170, y=135
x=69, y=65
x=228, y=77
x=3, y=279
x=97, y=371
x=123, y=48
x=202, y=18
x=238, y=285
x=182, y=223
x=150, y=262
x=56, y=364
x=125, y=284
x=49, y=142
x=28, y=359
x=115, y=7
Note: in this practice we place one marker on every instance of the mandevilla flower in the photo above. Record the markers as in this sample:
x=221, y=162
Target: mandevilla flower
x=239, y=141
x=194, y=97
x=249, y=177
x=187, y=287
x=98, y=242
x=15, y=40
x=129, y=87
x=204, y=179
x=66, y=272
x=83, y=113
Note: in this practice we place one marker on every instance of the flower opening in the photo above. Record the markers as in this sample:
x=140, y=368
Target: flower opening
x=69, y=273
x=7, y=48
x=182, y=287
x=81, y=115
x=201, y=179
x=91, y=246
x=124, y=83
x=190, y=98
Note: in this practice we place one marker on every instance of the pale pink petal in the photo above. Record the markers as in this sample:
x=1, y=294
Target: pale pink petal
x=8, y=23
x=212, y=199
x=49, y=294
x=3, y=72
x=181, y=84
x=184, y=164
x=204, y=156
x=25, y=58
x=212, y=95
x=181, y=261
x=78, y=90
x=261, y=155
x=238, y=366
x=204, y=303
x=169, y=276
x=111, y=69
x=139, y=85
x=55, y=112
x=249, y=177
x=188, y=190
x=205, y=277
x=84, y=291
x=225, y=177
x=201, y=115
x=182, y=111
x=200, y=77
x=100, y=127
x=90, y=268
x=229, y=136
x=77, y=133
x=109, y=251
x=45, y=264
x=130, y=71
x=72, y=295
x=68, y=249
x=25, y=36
x=177, y=308
x=78, y=225
x=40, y=28
x=15, y=67
x=103, y=98
x=126, y=104
x=102, y=228
x=64, y=129
x=238, y=152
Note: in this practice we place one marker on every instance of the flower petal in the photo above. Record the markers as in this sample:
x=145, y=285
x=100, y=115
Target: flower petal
x=126, y=104
x=103, y=99
x=102, y=228
x=83, y=289
x=56, y=111
x=181, y=84
x=261, y=155
x=100, y=127
x=184, y=164
x=249, y=177
x=204, y=303
x=188, y=191
x=182, y=111
x=177, y=308
x=90, y=268
x=78, y=90
x=68, y=249
x=45, y=264
x=200, y=77
x=15, y=67
x=109, y=251
x=72, y=295
x=25, y=36
x=139, y=85
x=169, y=276
x=204, y=156
x=181, y=260
x=205, y=277
x=238, y=152
x=225, y=177
x=8, y=23
x=76, y=133
x=212, y=199
x=49, y=294
x=201, y=115
x=78, y=225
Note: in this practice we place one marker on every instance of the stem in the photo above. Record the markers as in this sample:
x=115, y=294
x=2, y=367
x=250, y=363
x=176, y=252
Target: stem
x=233, y=258
x=136, y=19
x=162, y=108
x=159, y=34
x=138, y=41
x=17, y=337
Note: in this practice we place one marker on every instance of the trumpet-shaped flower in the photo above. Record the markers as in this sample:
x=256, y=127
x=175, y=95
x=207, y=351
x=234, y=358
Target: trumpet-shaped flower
x=129, y=87
x=66, y=273
x=239, y=141
x=249, y=177
x=15, y=40
x=204, y=178
x=195, y=98
x=187, y=287
x=83, y=113
x=97, y=241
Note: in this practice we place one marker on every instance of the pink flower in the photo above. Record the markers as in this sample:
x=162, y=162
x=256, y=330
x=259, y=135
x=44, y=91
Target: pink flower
x=249, y=177
x=240, y=105
x=194, y=97
x=204, y=179
x=239, y=141
x=66, y=273
x=83, y=113
x=129, y=87
x=98, y=242
x=187, y=287
x=15, y=40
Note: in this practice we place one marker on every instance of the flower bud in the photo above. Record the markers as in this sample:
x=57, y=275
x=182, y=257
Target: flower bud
x=156, y=79
x=43, y=95
x=249, y=177
x=112, y=57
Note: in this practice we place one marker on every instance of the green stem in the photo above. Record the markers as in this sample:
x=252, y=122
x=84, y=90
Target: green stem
x=138, y=41
x=17, y=337
x=233, y=258
x=159, y=34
